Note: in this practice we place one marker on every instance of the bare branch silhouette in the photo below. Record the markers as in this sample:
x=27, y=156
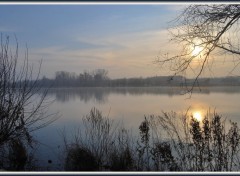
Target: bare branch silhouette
x=201, y=30
x=22, y=102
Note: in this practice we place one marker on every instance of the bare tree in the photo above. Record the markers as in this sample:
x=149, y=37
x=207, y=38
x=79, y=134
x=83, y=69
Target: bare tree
x=22, y=101
x=202, y=31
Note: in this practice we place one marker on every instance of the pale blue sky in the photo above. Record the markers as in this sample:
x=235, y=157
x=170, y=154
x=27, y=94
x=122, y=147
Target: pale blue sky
x=124, y=39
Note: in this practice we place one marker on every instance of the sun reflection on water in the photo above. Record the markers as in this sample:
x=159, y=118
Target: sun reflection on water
x=198, y=116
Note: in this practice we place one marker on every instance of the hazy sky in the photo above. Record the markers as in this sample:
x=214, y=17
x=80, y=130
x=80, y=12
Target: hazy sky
x=123, y=39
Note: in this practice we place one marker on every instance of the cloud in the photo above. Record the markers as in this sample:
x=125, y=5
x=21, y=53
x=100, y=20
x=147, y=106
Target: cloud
x=126, y=55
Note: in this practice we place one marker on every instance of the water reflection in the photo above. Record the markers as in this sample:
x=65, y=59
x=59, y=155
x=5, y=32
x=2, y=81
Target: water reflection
x=130, y=105
x=101, y=94
x=198, y=116
x=84, y=94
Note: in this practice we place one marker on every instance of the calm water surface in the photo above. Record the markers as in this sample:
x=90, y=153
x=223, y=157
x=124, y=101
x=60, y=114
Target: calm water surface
x=128, y=105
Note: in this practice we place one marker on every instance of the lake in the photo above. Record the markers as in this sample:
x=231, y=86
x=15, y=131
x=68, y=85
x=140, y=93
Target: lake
x=127, y=105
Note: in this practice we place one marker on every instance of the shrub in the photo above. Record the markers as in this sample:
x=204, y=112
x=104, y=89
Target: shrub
x=166, y=143
x=121, y=161
x=200, y=146
x=162, y=157
x=17, y=155
x=80, y=159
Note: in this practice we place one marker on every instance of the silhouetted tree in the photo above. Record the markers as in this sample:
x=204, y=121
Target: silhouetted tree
x=22, y=102
x=100, y=74
x=203, y=30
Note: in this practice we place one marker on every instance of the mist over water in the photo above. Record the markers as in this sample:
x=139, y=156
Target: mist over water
x=128, y=106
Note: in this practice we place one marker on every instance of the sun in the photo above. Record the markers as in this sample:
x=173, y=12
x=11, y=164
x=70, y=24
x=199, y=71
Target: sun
x=198, y=116
x=196, y=47
x=196, y=50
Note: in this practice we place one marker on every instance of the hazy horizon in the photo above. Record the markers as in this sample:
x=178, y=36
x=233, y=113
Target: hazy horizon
x=123, y=39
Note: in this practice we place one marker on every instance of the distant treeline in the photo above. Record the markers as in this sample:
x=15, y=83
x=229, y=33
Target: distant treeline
x=99, y=78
